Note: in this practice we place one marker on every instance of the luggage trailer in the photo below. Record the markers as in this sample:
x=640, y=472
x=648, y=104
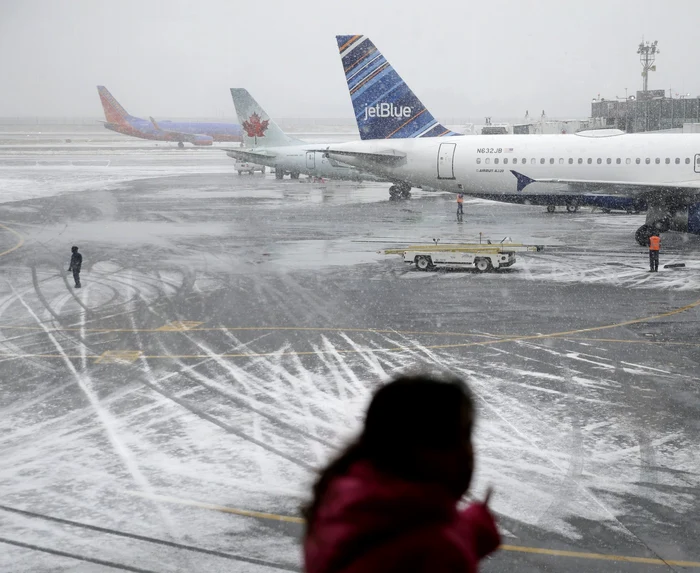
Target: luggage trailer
x=483, y=257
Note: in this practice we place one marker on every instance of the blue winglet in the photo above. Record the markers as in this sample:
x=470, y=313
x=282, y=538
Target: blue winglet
x=523, y=180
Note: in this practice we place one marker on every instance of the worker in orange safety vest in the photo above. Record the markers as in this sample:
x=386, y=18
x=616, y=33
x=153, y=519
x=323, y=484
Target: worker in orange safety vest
x=460, y=204
x=654, y=246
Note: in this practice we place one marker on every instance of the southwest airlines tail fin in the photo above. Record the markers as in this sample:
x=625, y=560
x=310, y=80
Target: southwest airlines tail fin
x=385, y=107
x=258, y=129
x=114, y=112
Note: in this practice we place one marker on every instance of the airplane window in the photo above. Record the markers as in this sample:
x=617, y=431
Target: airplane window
x=551, y=160
x=505, y=160
x=580, y=160
x=608, y=161
x=523, y=161
x=590, y=161
x=561, y=161
x=495, y=160
x=533, y=161
x=487, y=160
x=515, y=160
x=657, y=161
x=638, y=161
x=647, y=161
x=618, y=161
x=478, y=160
x=599, y=161
x=542, y=160
x=668, y=160
x=571, y=160
x=628, y=161
x=678, y=160
x=687, y=160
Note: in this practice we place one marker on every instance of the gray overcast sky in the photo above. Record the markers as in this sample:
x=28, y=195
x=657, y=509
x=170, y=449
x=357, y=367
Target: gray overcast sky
x=177, y=58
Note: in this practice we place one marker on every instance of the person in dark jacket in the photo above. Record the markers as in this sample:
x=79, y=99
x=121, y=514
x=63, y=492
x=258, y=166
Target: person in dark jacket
x=76, y=261
x=388, y=502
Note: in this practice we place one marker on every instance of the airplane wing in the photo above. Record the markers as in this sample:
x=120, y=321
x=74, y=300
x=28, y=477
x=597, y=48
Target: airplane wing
x=386, y=157
x=613, y=187
x=256, y=156
x=196, y=138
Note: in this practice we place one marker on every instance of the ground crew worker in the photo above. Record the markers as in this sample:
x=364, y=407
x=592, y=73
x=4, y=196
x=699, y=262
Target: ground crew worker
x=460, y=204
x=654, y=246
x=76, y=261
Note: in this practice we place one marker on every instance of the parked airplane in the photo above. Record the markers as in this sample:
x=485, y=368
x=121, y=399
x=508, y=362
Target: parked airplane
x=196, y=133
x=660, y=171
x=266, y=144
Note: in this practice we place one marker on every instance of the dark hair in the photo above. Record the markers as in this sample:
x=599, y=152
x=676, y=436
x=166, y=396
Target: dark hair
x=411, y=416
x=74, y=248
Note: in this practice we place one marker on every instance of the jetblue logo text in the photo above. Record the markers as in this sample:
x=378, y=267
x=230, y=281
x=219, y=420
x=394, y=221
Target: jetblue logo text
x=387, y=110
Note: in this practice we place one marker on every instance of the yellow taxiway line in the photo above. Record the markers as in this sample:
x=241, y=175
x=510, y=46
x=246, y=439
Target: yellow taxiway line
x=509, y=548
x=20, y=240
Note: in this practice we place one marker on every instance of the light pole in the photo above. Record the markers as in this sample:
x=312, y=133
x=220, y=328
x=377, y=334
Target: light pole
x=647, y=56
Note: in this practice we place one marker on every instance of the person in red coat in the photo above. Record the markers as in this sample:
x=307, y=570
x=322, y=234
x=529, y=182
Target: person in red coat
x=388, y=502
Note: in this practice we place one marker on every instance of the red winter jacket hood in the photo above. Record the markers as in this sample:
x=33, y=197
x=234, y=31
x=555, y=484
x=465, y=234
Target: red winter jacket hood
x=370, y=522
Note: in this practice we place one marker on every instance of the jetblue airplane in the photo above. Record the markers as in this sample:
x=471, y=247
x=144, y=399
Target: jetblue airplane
x=266, y=144
x=657, y=170
x=196, y=133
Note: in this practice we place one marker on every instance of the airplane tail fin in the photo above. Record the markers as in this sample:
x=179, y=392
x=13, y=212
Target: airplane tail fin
x=385, y=107
x=114, y=112
x=258, y=128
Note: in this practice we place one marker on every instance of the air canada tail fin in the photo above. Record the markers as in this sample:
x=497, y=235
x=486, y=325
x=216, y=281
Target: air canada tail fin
x=114, y=112
x=258, y=128
x=385, y=107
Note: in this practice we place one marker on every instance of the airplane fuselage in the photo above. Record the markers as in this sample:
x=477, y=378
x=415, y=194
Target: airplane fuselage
x=483, y=165
x=170, y=131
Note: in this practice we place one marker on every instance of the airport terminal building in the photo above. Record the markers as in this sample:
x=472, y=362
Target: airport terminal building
x=647, y=111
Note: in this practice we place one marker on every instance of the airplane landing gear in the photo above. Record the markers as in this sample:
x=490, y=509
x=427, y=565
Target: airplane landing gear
x=400, y=191
x=571, y=207
x=551, y=208
x=294, y=175
x=279, y=173
x=642, y=235
x=181, y=145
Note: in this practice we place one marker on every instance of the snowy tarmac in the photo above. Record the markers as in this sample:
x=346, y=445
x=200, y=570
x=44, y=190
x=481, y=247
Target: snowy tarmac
x=168, y=416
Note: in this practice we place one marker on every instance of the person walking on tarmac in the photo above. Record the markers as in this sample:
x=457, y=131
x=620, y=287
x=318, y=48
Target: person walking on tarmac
x=460, y=204
x=654, y=246
x=76, y=261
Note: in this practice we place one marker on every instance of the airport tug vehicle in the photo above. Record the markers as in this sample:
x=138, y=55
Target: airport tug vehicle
x=483, y=257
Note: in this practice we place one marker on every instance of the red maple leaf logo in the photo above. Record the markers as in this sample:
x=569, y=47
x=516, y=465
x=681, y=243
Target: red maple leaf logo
x=254, y=127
